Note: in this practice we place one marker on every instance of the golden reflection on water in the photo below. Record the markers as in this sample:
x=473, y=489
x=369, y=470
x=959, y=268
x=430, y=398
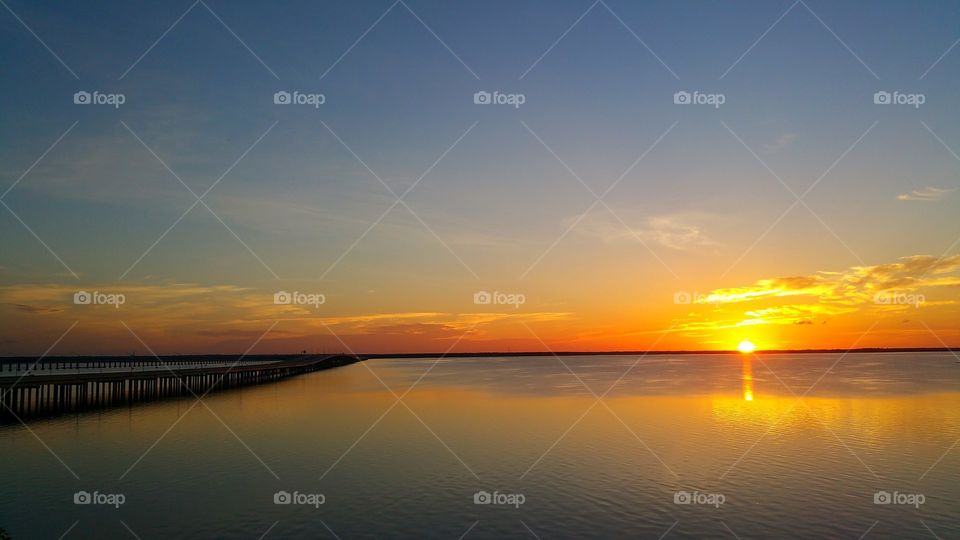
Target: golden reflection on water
x=747, y=378
x=871, y=418
x=475, y=418
x=757, y=430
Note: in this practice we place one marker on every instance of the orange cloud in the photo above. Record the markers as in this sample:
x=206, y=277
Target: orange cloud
x=909, y=283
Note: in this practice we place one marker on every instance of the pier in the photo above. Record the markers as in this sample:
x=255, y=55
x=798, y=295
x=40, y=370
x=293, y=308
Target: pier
x=30, y=388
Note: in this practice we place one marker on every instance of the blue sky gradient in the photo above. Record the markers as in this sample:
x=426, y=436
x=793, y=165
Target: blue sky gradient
x=399, y=99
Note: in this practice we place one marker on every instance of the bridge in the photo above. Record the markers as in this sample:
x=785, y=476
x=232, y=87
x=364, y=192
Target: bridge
x=31, y=388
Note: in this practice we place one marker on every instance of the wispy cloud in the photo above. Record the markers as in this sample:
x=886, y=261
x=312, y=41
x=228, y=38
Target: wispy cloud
x=927, y=194
x=806, y=299
x=38, y=309
x=681, y=232
x=780, y=143
x=183, y=317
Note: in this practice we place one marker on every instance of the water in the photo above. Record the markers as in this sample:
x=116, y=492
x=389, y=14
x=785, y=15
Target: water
x=721, y=426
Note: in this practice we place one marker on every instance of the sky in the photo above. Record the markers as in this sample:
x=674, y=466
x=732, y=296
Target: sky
x=806, y=196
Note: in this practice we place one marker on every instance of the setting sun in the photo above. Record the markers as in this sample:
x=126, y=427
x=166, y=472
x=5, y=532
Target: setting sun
x=746, y=347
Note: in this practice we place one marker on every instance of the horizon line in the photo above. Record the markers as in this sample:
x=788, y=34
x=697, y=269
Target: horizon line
x=490, y=354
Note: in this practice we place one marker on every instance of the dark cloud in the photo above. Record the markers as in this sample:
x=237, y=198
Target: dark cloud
x=38, y=309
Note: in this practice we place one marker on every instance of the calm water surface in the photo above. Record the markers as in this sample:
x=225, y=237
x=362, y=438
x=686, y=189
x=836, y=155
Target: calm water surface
x=793, y=448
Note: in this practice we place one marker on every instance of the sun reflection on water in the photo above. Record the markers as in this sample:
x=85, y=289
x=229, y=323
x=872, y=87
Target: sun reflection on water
x=747, y=378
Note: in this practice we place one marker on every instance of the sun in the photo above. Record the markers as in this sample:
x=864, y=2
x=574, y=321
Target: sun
x=746, y=347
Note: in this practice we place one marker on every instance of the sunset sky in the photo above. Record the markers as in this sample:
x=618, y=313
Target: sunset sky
x=797, y=214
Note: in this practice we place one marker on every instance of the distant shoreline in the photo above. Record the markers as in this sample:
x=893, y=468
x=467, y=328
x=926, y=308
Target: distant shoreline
x=491, y=354
x=652, y=353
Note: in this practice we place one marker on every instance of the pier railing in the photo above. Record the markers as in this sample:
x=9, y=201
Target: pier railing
x=57, y=386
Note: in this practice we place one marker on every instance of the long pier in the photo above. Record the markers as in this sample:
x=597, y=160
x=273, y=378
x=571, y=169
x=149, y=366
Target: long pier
x=31, y=388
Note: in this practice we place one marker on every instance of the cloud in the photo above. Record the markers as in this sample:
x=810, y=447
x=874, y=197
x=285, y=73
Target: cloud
x=782, y=142
x=460, y=322
x=38, y=309
x=680, y=232
x=927, y=194
x=909, y=272
x=854, y=285
x=802, y=300
x=184, y=317
x=775, y=287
